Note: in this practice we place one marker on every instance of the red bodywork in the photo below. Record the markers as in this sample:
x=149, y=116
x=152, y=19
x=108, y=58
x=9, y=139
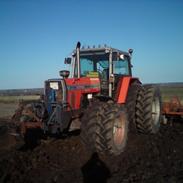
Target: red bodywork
x=77, y=87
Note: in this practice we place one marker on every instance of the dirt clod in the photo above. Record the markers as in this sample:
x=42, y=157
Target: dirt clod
x=154, y=158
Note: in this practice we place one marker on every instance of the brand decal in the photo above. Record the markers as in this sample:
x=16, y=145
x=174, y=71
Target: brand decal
x=82, y=87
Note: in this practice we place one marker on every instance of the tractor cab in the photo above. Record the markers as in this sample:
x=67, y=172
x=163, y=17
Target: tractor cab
x=107, y=64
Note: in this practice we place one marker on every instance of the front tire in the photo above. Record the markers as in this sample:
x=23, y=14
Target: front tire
x=115, y=128
x=104, y=128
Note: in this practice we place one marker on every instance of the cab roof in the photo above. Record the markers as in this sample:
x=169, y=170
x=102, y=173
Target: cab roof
x=99, y=50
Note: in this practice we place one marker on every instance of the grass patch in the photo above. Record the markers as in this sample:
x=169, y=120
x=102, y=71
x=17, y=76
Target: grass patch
x=16, y=99
x=8, y=104
x=7, y=109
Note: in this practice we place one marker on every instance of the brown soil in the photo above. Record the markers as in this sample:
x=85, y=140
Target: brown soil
x=154, y=158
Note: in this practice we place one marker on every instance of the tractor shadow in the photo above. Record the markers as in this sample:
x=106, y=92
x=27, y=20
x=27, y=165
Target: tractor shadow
x=95, y=170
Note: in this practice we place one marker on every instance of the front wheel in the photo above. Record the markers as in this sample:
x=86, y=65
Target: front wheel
x=115, y=128
x=105, y=128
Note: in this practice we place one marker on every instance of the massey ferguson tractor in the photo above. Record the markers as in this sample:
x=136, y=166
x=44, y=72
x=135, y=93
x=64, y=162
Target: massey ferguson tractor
x=99, y=96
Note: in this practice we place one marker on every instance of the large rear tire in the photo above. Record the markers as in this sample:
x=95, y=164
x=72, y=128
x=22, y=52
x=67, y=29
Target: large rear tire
x=135, y=107
x=104, y=128
x=152, y=109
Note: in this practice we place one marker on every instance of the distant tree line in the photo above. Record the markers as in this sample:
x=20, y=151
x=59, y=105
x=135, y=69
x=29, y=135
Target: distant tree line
x=19, y=92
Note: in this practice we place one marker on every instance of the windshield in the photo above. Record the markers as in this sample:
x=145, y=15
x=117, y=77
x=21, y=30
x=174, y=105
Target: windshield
x=121, y=67
x=98, y=65
x=93, y=65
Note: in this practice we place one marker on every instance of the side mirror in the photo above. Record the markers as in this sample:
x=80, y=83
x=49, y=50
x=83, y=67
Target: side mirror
x=130, y=51
x=67, y=60
x=64, y=73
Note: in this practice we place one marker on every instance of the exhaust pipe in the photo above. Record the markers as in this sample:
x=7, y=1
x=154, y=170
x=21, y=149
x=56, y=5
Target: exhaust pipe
x=78, y=58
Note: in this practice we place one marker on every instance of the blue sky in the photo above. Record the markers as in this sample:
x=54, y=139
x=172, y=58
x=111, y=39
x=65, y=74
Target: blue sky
x=36, y=35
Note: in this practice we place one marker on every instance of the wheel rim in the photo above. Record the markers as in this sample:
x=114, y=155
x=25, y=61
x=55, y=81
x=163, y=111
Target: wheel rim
x=156, y=110
x=119, y=130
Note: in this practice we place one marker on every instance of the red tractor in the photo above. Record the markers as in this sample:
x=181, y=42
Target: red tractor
x=99, y=96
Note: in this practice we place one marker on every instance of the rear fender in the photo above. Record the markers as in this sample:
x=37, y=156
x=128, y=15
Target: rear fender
x=122, y=89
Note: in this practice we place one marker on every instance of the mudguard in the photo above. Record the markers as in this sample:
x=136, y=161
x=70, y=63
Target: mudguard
x=122, y=90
